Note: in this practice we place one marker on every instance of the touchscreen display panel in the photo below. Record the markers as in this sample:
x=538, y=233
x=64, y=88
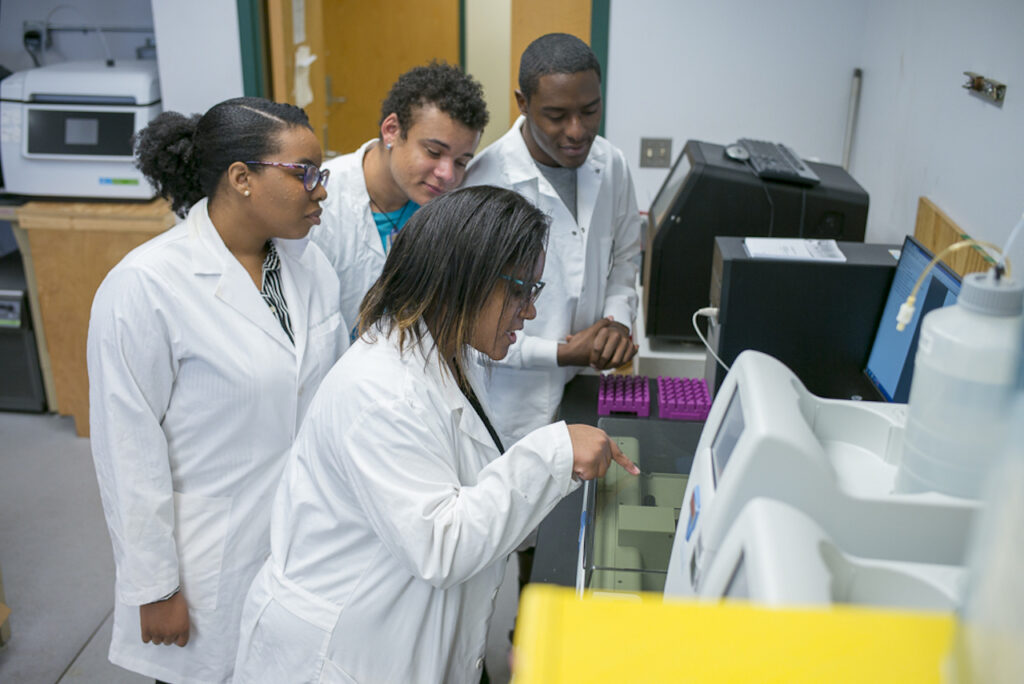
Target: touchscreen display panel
x=728, y=434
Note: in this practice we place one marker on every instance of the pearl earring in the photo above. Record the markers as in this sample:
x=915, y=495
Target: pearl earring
x=387, y=146
x=246, y=193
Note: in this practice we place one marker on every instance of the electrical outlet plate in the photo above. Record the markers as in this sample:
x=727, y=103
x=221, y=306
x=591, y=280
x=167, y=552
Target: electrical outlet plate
x=656, y=152
x=40, y=28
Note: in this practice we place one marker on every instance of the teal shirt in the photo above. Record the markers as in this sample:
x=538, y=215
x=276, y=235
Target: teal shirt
x=390, y=223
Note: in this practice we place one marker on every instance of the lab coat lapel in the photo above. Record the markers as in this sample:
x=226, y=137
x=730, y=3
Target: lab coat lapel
x=476, y=366
x=234, y=287
x=588, y=183
x=296, y=278
x=526, y=178
x=358, y=199
x=469, y=423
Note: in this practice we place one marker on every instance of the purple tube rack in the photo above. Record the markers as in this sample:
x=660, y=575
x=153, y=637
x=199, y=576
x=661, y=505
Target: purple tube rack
x=683, y=398
x=624, y=394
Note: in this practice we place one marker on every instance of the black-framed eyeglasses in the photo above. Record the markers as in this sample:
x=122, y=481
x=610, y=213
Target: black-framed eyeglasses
x=312, y=175
x=525, y=292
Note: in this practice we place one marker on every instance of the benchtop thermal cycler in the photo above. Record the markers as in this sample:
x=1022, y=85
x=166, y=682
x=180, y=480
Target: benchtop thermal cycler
x=827, y=468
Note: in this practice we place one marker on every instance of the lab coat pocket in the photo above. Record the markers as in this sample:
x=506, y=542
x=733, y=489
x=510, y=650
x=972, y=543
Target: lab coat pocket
x=326, y=332
x=324, y=329
x=332, y=674
x=326, y=340
x=200, y=531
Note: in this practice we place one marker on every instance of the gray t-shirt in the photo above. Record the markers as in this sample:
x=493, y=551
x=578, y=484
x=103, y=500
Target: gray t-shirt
x=563, y=180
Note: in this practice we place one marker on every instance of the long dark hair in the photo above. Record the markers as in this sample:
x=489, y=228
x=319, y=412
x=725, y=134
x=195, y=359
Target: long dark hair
x=445, y=262
x=184, y=157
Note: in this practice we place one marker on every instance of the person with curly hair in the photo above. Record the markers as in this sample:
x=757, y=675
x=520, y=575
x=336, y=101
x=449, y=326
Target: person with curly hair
x=430, y=125
x=206, y=345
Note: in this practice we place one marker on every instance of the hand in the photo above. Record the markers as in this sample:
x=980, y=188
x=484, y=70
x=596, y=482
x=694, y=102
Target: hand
x=593, y=451
x=612, y=346
x=165, y=622
x=605, y=344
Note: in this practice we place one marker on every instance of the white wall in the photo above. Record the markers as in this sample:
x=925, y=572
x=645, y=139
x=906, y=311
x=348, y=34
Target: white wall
x=920, y=133
x=781, y=71
x=72, y=46
x=487, y=60
x=717, y=71
x=198, y=45
x=199, y=53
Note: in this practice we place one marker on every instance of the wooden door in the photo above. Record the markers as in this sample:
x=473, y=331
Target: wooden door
x=369, y=44
x=532, y=19
x=361, y=47
x=283, y=29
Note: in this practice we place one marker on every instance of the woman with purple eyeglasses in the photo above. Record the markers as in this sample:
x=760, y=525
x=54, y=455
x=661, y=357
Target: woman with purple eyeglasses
x=205, y=346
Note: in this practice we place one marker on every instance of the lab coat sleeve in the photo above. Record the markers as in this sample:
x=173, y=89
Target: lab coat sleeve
x=401, y=462
x=531, y=351
x=620, y=300
x=131, y=376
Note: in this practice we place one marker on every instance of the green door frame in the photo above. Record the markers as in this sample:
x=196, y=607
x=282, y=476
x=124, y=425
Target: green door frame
x=252, y=35
x=253, y=39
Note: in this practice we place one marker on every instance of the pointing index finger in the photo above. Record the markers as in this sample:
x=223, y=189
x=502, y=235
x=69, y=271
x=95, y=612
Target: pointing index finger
x=623, y=460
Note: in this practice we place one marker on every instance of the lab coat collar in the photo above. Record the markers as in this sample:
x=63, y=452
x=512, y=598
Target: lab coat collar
x=210, y=257
x=468, y=420
x=357, y=198
x=521, y=167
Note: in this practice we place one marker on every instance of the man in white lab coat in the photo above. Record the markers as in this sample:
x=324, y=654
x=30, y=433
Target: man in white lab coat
x=554, y=157
x=430, y=127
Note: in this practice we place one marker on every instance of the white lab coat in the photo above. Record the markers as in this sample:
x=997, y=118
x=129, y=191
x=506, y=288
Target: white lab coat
x=590, y=271
x=196, y=395
x=347, y=233
x=391, y=528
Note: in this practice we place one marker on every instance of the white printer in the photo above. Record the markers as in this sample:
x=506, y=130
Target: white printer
x=66, y=129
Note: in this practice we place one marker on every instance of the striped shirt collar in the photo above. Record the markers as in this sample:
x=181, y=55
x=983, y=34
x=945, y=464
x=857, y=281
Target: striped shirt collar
x=273, y=290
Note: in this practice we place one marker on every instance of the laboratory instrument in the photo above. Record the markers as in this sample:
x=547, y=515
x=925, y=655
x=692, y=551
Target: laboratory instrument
x=68, y=127
x=835, y=460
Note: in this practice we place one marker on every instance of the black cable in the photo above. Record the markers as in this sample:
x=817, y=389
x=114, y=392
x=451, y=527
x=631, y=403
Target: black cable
x=24, y=41
x=771, y=205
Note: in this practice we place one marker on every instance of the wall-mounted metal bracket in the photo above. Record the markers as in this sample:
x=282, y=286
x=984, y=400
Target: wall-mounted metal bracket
x=986, y=88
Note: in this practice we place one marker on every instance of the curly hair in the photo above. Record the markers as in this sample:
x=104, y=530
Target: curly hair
x=446, y=87
x=554, y=53
x=184, y=157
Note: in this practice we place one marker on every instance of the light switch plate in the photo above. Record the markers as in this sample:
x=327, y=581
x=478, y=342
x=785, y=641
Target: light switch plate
x=656, y=152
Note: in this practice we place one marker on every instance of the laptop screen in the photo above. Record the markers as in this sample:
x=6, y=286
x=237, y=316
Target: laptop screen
x=891, y=362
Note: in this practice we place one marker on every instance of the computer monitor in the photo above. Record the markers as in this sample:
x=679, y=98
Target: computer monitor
x=890, y=364
x=708, y=194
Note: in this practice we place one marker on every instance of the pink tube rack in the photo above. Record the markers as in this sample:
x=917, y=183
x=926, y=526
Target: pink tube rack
x=624, y=394
x=683, y=398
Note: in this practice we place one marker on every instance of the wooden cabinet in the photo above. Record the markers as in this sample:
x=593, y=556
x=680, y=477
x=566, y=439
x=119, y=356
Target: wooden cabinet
x=71, y=247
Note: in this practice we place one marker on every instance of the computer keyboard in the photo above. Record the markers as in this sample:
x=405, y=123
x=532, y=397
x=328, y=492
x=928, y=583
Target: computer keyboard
x=778, y=162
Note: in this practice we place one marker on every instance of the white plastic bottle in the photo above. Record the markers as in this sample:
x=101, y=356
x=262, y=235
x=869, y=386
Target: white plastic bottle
x=964, y=376
x=990, y=624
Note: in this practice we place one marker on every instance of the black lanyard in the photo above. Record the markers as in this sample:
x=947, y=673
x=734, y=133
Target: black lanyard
x=475, y=403
x=483, y=416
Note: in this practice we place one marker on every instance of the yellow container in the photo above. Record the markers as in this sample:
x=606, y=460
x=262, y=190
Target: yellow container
x=561, y=638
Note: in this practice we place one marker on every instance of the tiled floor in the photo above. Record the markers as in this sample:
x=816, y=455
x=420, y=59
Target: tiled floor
x=58, y=571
